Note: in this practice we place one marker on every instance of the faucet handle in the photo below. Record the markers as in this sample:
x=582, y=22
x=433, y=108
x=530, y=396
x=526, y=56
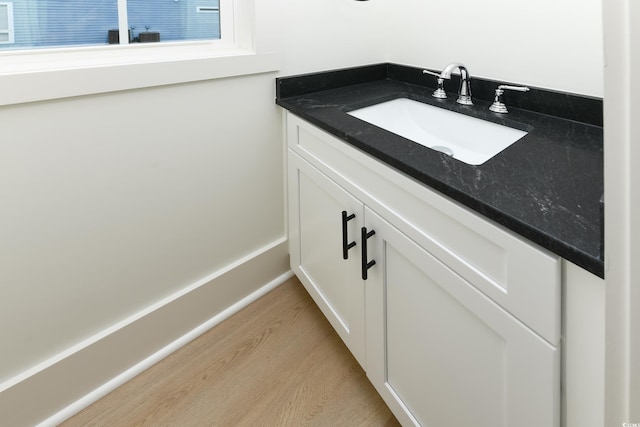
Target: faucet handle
x=498, y=106
x=516, y=88
x=439, y=92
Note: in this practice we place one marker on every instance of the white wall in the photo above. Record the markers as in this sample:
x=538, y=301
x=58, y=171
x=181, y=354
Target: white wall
x=550, y=44
x=547, y=43
x=113, y=202
x=622, y=234
x=316, y=35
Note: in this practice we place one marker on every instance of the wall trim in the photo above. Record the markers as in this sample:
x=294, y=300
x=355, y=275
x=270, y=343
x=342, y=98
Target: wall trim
x=70, y=381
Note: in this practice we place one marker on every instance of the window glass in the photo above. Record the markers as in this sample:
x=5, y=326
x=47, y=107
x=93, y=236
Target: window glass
x=173, y=20
x=48, y=23
x=61, y=23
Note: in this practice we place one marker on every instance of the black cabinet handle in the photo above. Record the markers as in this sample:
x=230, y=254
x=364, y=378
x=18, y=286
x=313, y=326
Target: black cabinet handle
x=366, y=265
x=346, y=245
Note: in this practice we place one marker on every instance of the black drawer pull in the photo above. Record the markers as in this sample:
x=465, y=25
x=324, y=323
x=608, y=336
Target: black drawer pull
x=366, y=265
x=346, y=245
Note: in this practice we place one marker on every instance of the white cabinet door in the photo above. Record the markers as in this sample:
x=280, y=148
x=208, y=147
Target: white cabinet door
x=441, y=353
x=324, y=221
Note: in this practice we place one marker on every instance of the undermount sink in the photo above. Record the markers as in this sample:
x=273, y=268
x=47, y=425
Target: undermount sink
x=468, y=139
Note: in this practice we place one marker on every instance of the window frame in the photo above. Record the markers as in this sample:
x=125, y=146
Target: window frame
x=48, y=74
x=10, y=29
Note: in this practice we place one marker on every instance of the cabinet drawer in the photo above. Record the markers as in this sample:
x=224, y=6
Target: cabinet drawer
x=518, y=275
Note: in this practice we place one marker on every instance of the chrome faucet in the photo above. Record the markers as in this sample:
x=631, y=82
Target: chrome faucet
x=464, y=94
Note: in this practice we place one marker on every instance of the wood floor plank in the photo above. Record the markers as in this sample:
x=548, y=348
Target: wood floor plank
x=278, y=362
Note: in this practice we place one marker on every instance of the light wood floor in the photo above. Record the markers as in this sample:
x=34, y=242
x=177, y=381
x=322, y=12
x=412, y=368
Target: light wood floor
x=278, y=362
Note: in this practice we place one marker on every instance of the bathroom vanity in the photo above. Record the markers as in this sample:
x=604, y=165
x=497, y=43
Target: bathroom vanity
x=444, y=279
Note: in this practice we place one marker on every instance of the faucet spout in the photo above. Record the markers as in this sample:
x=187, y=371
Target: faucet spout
x=446, y=72
x=464, y=95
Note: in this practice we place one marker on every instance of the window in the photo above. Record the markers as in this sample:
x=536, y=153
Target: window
x=6, y=23
x=32, y=24
x=32, y=72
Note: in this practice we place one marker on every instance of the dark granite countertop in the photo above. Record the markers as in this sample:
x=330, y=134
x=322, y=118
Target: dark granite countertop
x=546, y=187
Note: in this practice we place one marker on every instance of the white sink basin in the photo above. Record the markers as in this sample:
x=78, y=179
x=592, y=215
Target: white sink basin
x=470, y=140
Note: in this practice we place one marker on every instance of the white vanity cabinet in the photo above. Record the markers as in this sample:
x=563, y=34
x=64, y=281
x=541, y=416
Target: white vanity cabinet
x=455, y=320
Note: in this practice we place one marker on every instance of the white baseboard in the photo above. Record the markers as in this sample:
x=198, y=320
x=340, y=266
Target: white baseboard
x=67, y=383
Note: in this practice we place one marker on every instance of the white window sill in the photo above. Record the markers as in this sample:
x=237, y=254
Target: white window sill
x=37, y=76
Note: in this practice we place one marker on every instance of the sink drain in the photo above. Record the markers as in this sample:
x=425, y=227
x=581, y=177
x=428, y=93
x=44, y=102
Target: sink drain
x=441, y=148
